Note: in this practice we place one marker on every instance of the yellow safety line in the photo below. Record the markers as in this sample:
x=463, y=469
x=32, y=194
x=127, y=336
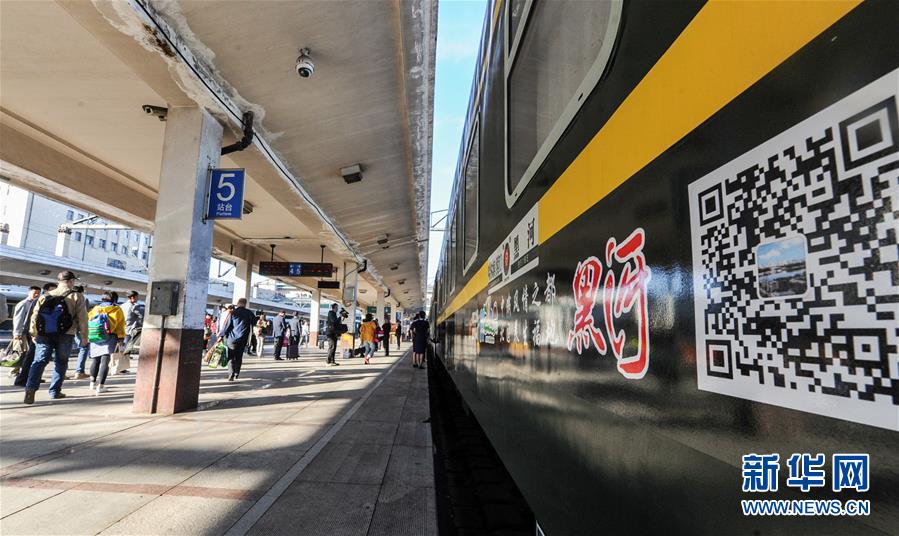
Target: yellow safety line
x=725, y=49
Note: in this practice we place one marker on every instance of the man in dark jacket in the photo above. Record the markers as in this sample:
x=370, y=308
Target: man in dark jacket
x=332, y=332
x=235, y=333
x=387, y=327
x=278, y=326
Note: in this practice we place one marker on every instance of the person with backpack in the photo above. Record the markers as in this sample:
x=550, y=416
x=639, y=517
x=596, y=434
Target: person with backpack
x=57, y=317
x=106, y=333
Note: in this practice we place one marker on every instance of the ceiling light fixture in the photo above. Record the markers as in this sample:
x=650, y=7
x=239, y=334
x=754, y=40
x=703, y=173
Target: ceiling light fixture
x=351, y=174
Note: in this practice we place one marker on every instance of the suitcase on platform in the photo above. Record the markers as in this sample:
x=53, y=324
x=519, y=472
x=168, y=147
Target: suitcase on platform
x=293, y=348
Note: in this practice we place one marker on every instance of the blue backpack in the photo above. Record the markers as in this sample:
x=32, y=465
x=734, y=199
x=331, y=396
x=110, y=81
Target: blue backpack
x=53, y=317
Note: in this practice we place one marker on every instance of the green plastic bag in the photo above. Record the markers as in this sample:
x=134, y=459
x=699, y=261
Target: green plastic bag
x=215, y=359
x=11, y=356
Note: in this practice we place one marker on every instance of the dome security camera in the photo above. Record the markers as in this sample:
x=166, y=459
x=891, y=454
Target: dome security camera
x=305, y=67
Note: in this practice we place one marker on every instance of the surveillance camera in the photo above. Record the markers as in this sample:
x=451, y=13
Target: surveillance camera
x=157, y=111
x=305, y=67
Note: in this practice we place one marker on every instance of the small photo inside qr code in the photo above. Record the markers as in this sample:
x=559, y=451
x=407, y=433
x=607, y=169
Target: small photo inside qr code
x=796, y=265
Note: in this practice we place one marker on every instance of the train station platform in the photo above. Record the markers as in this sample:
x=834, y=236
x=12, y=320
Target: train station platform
x=293, y=446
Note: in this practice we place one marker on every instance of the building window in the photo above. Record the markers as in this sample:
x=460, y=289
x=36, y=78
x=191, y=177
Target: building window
x=89, y=240
x=134, y=252
x=549, y=75
x=80, y=216
x=115, y=263
x=114, y=247
x=124, y=249
x=144, y=255
x=146, y=240
x=70, y=215
x=76, y=236
x=102, y=244
x=470, y=212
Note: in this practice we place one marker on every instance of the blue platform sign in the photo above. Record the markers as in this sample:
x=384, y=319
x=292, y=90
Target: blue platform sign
x=225, y=194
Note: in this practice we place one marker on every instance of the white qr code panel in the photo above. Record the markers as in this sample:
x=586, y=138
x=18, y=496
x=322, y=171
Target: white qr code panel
x=796, y=265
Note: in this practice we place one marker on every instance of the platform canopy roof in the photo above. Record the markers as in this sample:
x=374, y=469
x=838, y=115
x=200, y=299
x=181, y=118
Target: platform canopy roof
x=75, y=74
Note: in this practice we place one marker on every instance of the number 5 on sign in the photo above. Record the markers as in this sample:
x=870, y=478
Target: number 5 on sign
x=225, y=194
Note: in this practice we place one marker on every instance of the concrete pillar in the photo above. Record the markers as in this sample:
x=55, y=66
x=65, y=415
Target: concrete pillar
x=244, y=280
x=62, y=245
x=314, y=306
x=182, y=252
x=380, y=313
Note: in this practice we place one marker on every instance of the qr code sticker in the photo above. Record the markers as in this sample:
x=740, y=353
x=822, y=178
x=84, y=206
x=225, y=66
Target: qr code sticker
x=796, y=265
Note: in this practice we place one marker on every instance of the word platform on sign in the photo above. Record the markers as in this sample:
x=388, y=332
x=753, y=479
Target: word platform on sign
x=225, y=194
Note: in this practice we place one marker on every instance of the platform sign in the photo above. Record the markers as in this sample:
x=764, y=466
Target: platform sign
x=296, y=269
x=225, y=194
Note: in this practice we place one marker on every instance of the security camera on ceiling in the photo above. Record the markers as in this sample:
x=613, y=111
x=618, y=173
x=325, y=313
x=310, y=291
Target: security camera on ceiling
x=305, y=67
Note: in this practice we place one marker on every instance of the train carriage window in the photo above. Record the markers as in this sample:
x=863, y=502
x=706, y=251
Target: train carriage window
x=556, y=61
x=453, y=242
x=517, y=8
x=470, y=212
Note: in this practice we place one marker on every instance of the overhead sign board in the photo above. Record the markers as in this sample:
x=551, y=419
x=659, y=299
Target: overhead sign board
x=225, y=194
x=296, y=269
x=329, y=284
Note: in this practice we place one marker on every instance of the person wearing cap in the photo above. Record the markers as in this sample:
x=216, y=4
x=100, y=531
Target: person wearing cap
x=134, y=316
x=57, y=346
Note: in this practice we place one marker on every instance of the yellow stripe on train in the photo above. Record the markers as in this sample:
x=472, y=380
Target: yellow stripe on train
x=726, y=48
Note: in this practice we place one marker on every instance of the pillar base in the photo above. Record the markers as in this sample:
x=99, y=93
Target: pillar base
x=179, y=378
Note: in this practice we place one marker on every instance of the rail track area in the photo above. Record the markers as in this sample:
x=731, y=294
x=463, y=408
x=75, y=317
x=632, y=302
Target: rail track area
x=475, y=493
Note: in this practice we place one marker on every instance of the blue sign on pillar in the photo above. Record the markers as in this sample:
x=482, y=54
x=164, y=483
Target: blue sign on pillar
x=225, y=194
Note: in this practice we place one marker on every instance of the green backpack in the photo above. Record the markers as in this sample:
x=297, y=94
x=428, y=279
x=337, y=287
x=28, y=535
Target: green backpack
x=98, y=328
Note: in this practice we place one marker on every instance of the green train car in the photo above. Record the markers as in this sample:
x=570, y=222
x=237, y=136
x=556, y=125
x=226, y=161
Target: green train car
x=669, y=285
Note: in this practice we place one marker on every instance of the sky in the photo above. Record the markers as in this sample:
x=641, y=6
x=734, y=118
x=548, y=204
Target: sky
x=458, y=37
x=785, y=251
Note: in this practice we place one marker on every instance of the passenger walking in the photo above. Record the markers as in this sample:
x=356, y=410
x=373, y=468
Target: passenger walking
x=134, y=316
x=368, y=332
x=332, y=332
x=378, y=333
x=388, y=331
x=279, y=326
x=304, y=333
x=83, y=349
x=399, y=334
x=420, y=329
x=259, y=331
x=208, y=330
x=134, y=322
x=106, y=333
x=235, y=333
x=57, y=317
x=292, y=337
x=21, y=316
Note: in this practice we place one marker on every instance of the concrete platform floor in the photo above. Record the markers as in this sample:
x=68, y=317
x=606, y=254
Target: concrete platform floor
x=293, y=447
